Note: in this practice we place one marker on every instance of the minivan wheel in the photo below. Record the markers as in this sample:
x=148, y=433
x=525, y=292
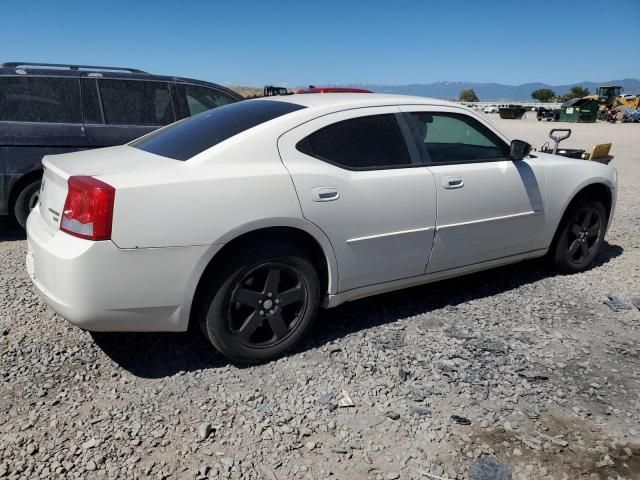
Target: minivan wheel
x=580, y=237
x=262, y=304
x=26, y=201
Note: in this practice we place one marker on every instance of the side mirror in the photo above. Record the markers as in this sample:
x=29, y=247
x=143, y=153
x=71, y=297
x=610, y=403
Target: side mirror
x=519, y=149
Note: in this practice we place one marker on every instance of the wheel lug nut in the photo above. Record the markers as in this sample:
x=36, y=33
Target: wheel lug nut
x=272, y=312
x=277, y=300
x=269, y=294
x=260, y=301
x=261, y=312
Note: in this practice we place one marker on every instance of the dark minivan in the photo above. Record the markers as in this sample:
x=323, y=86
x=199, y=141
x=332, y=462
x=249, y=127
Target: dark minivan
x=47, y=109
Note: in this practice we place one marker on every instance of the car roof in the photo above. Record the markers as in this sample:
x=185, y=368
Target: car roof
x=27, y=70
x=354, y=100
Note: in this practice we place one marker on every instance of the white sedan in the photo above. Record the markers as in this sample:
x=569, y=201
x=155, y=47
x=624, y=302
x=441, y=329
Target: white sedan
x=248, y=218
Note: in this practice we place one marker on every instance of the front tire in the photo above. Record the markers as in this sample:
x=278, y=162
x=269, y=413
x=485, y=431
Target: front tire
x=580, y=236
x=26, y=201
x=261, y=303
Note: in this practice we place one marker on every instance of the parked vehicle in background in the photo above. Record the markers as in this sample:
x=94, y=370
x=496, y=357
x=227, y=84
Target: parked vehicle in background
x=48, y=109
x=512, y=112
x=548, y=114
x=271, y=91
x=491, y=109
x=246, y=219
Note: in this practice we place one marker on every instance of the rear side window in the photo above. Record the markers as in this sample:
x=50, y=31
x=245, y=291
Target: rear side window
x=194, y=135
x=372, y=142
x=40, y=99
x=200, y=99
x=136, y=102
x=455, y=138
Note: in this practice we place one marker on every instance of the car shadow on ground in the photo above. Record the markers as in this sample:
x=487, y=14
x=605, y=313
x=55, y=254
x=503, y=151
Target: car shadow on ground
x=157, y=355
x=390, y=307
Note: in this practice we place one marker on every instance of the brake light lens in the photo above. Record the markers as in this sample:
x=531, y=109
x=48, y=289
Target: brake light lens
x=88, y=209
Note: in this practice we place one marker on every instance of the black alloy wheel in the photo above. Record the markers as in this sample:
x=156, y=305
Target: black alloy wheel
x=261, y=302
x=583, y=234
x=267, y=304
x=580, y=236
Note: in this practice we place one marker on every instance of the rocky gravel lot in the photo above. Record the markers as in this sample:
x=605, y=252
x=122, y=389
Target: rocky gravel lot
x=512, y=373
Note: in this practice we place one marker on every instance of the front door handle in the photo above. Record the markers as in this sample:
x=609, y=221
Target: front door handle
x=324, y=194
x=452, y=182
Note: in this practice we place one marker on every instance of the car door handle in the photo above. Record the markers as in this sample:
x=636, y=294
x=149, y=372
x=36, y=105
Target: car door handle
x=452, y=182
x=324, y=194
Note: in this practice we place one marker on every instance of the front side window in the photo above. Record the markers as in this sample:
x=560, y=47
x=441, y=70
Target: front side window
x=372, y=142
x=40, y=99
x=455, y=138
x=200, y=99
x=136, y=102
x=194, y=135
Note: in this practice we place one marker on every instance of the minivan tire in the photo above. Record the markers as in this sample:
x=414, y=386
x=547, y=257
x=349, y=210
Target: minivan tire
x=251, y=318
x=25, y=201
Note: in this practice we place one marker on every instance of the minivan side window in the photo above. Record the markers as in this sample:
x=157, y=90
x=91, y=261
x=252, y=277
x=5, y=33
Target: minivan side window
x=40, y=99
x=455, y=138
x=200, y=99
x=136, y=102
x=363, y=143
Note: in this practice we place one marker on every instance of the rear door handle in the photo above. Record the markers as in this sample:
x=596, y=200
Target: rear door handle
x=324, y=194
x=452, y=182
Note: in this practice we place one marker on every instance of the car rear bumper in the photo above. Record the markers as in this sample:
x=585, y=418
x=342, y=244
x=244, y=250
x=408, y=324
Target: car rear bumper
x=100, y=287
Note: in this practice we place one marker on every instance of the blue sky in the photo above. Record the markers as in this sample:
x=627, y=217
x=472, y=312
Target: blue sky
x=334, y=42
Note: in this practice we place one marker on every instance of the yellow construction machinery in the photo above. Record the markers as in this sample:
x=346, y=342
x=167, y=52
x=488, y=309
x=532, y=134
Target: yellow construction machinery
x=629, y=101
x=610, y=96
x=605, y=95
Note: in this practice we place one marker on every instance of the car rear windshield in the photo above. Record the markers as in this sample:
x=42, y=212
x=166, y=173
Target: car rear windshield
x=194, y=135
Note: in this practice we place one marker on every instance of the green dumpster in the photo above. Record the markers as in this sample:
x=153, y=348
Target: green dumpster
x=579, y=110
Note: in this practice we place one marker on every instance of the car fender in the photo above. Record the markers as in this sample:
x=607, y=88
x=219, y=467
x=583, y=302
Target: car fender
x=565, y=178
x=298, y=223
x=212, y=250
x=591, y=181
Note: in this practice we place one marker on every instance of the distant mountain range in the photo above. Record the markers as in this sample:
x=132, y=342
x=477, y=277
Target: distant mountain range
x=494, y=91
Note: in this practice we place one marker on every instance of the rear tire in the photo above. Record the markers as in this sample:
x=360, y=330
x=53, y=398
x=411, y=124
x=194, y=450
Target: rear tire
x=580, y=236
x=261, y=303
x=25, y=201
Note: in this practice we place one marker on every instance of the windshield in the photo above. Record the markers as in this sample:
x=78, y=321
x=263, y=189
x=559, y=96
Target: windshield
x=187, y=138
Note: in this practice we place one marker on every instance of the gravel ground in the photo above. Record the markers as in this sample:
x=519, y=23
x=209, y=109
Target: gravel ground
x=512, y=373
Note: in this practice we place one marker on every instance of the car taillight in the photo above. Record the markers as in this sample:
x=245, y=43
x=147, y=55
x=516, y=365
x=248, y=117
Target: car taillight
x=88, y=209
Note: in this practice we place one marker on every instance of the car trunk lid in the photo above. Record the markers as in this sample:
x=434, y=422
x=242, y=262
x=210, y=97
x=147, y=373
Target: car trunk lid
x=103, y=161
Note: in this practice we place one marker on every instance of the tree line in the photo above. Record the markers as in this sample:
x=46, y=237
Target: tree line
x=544, y=95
